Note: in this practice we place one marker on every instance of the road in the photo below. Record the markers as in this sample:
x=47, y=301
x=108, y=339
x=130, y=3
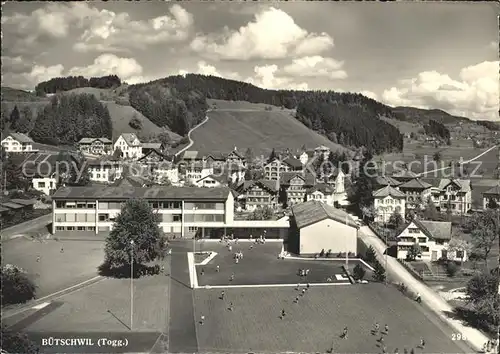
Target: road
x=439, y=306
x=463, y=163
x=20, y=229
x=191, y=142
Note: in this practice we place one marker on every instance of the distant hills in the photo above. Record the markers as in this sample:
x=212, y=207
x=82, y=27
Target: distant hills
x=178, y=103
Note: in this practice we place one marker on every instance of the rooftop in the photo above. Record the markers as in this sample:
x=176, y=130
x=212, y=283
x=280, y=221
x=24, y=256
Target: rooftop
x=440, y=230
x=90, y=140
x=313, y=211
x=493, y=191
x=151, y=146
x=416, y=184
x=155, y=192
x=23, y=138
x=386, y=181
x=308, y=178
x=463, y=184
x=388, y=191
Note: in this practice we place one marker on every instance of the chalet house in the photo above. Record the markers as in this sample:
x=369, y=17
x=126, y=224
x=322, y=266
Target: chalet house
x=195, y=171
x=404, y=175
x=386, y=201
x=258, y=194
x=105, y=169
x=417, y=193
x=455, y=194
x=211, y=181
x=332, y=189
x=491, y=194
x=191, y=156
x=294, y=186
x=236, y=158
x=130, y=145
x=216, y=160
x=132, y=182
x=306, y=156
x=432, y=237
x=18, y=142
x=235, y=173
x=147, y=147
x=276, y=167
x=160, y=166
x=325, y=151
x=95, y=146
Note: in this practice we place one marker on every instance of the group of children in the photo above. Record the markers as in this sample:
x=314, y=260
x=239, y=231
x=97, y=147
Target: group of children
x=376, y=330
x=491, y=346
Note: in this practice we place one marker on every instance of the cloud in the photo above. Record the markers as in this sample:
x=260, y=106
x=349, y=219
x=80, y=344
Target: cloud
x=273, y=34
x=206, y=69
x=265, y=77
x=110, y=64
x=369, y=94
x=474, y=94
x=316, y=66
x=15, y=65
x=95, y=30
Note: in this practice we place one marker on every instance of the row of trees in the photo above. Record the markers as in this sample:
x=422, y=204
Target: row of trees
x=69, y=118
x=58, y=84
x=18, y=120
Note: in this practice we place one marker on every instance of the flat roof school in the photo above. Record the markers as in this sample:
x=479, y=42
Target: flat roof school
x=185, y=212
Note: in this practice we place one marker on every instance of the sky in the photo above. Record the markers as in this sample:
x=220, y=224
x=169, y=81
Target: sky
x=438, y=55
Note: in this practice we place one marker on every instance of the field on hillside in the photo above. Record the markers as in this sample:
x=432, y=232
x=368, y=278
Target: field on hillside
x=260, y=130
x=404, y=127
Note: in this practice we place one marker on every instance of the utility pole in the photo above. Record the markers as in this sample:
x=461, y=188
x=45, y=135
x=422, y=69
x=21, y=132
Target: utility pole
x=131, y=284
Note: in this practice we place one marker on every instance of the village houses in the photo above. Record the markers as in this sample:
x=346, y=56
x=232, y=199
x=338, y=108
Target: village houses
x=387, y=201
x=18, y=142
x=432, y=238
x=277, y=166
x=105, y=169
x=130, y=146
x=95, y=146
x=258, y=194
x=492, y=194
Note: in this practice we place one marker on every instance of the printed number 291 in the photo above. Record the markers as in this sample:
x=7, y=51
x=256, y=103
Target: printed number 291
x=458, y=336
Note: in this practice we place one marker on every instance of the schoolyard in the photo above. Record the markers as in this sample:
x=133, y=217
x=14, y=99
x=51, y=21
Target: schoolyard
x=260, y=266
x=316, y=322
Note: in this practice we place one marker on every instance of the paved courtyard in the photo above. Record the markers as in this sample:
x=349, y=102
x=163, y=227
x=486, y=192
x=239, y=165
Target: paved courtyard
x=260, y=266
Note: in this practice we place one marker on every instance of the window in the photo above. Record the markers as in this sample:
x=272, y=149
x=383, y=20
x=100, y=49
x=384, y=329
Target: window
x=103, y=217
x=41, y=184
x=90, y=228
x=81, y=228
x=192, y=229
x=460, y=254
x=60, y=204
x=177, y=217
x=413, y=230
x=81, y=217
x=103, y=205
x=59, y=228
x=70, y=228
x=422, y=240
x=98, y=175
x=70, y=217
x=81, y=205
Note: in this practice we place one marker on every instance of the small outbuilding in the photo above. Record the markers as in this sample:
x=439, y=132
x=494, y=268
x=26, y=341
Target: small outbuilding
x=316, y=226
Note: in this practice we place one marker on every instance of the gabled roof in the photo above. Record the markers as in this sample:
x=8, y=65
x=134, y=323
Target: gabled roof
x=151, y=146
x=237, y=153
x=130, y=181
x=216, y=155
x=103, y=160
x=388, y=191
x=12, y=205
x=263, y=183
x=321, y=147
x=191, y=155
x=25, y=202
x=293, y=162
x=129, y=138
x=313, y=211
x=22, y=138
x=158, y=153
x=493, y=191
x=415, y=184
x=218, y=178
x=321, y=187
x=91, y=140
x=286, y=177
x=463, y=184
x=404, y=174
x=438, y=230
x=386, y=181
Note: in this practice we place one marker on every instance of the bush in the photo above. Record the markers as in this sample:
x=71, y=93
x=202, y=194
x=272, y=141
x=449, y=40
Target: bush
x=379, y=273
x=359, y=272
x=184, y=140
x=451, y=269
x=135, y=123
x=17, y=342
x=370, y=256
x=16, y=286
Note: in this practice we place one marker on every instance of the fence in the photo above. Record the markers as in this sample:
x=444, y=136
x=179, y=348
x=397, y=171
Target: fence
x=410, y=269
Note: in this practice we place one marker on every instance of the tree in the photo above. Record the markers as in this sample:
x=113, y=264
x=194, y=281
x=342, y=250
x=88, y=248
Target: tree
x=165, y=181
x=16, y=286
x=368, y=213
x=430, y=211
x=362, y=194
x=413, y=252
x=379, y=272
x=396, y=220
x=484, y=229
x=483, y=296
x=14, y=116
x=437, y=156
x=264, y=213
x=118, y=153
x=138, y=223
x=249, y=155
x=79, y=174
x=135, y=123
x=17, y=342
x=272, y=156
x=492, y=204
x=23, y=122
x=370, y=255
x=359, y=272
x=164, y=138
x=451, y=269
x=248, y=175
x=14, y=175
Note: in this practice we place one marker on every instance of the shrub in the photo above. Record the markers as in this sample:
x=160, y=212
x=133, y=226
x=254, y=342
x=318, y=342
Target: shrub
x=322, y=253
x=135, y=123
x=17, y=342
x=184, y=140
x=359, y=272
x=370, y=256
x=451, y=269
x=379, y=273
x=16, y=286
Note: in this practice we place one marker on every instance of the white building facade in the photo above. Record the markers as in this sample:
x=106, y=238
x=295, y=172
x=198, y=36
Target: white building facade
x=17, y=142
x=130, y=146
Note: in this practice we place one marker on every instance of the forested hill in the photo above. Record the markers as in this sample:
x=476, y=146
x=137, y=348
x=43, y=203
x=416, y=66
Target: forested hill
x=348, y=118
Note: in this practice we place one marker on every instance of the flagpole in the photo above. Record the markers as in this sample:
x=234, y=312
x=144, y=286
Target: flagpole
x=347, y=249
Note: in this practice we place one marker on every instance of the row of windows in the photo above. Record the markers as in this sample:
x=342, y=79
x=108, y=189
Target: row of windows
x=75, y=217
x=73, y=228
x=153, y=204
x=104, y=217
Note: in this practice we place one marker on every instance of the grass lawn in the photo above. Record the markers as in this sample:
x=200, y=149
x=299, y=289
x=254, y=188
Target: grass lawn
x=200, y=257
x=316, y=321
x=261, y=130
x=56, y=270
